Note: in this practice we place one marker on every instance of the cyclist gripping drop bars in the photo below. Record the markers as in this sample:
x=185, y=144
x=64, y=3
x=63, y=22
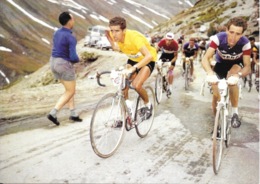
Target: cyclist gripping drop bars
x=169, y=51
x=233, y=61
x=142, y=55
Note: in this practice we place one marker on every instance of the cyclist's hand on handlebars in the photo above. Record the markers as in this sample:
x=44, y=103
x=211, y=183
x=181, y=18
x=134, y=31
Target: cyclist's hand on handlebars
x=232, y=80
x=128, y=72
x=212, y=78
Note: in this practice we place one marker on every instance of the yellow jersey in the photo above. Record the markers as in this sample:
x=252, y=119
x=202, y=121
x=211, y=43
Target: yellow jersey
x=133, y=42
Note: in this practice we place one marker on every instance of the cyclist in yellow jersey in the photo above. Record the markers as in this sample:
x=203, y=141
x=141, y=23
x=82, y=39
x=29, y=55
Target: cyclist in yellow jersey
x=142, y=55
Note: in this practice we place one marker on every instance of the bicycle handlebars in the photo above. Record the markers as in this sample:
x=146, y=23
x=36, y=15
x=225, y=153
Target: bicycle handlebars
x=98, y=77
x=127, y=80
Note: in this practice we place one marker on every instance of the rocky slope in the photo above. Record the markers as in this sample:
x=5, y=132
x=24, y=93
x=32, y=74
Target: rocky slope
x=22, y=30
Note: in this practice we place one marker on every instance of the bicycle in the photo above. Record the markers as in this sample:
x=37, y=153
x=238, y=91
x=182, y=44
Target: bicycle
x=161, y=82
x=222, y=127
x=111, y=116
x=248, y=82
x=186, y=73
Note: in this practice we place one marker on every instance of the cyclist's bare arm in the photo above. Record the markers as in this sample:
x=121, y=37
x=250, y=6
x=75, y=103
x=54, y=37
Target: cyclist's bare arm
x=254, y=58
x=206, y=60
x=175, y=57
x=111, y=41
x=247, y=66
x=147, y=57
x=158, y=49
x=195, y=54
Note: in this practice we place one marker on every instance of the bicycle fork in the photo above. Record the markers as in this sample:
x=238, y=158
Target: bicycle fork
x=223, y=107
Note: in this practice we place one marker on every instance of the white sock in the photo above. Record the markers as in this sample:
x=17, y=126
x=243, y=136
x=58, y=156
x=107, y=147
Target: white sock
x=54, y=112
x=148, y=104
x=73, y=113
x=234, y=110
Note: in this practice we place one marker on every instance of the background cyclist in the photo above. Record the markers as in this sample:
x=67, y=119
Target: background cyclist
x=254, y=56
x=190, y=50
x=169, y=49
x=142, y=55
x=233, y=61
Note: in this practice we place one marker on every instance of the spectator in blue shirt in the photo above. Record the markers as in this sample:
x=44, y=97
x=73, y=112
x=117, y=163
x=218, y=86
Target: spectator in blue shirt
x=63, y=57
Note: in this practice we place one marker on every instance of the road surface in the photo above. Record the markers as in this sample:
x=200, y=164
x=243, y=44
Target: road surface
x=177, y=150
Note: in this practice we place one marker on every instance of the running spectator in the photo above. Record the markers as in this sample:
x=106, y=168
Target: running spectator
x=63, y=57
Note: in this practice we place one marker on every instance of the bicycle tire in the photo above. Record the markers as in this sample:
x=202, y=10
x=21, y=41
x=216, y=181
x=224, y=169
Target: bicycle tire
x=248, y=82
x=228, y=134
x=218, y=141
x=249, y=87
x=187, y=71
x=244, y=81
x=143, y=125
x=105, y=136
x=158, y=88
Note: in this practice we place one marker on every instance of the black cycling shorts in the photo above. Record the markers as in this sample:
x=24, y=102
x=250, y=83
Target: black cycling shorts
x=168, y=56
x=222, y=69
x=150, y=65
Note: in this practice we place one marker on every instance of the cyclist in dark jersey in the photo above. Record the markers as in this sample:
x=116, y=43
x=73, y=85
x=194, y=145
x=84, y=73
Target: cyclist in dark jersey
x=169, y=51
x=233, y=61
x=190, y=50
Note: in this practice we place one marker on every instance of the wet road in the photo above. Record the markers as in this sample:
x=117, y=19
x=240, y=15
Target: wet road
x=177, y=150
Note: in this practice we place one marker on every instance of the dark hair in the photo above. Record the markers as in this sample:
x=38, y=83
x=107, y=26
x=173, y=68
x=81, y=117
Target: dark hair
x=118, y=21
x=64, y=18
x=237, y=21
x=192, y=39
x=251, y=38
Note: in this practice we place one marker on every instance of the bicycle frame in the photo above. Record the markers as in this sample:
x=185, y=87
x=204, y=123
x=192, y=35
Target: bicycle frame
x=161, y=82
x=121, y=81
x=162, y=65
x=222, y=130
x=223, y=103
x=187, y=72
x=111, y=116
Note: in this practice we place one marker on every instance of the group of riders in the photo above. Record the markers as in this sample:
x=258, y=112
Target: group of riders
x=230, y=49
x=228, y=54
x=232, y=52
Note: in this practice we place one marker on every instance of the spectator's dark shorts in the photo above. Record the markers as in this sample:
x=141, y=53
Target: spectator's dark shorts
x=62, y=69
x=222, y=69
x=168, y=56
x=150, y=65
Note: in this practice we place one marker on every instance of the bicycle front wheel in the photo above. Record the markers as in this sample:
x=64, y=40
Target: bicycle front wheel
x=187, y=74
x=218, y=139
x=144, y=119
x=158, y=88
x=107, y=125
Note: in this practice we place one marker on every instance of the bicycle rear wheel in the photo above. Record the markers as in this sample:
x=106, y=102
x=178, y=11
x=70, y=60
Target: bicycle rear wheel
x=159, y=88
x=249, y=82
x=107, y=125
x=144, y=122
x=218, y=136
